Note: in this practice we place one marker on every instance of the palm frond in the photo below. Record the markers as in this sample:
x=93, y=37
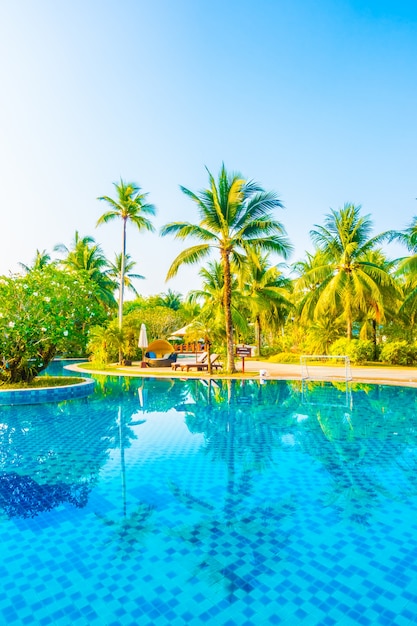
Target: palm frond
x=188, y=257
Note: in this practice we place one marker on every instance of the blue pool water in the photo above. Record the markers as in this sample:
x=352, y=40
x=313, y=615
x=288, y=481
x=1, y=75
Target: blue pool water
x=169, y=502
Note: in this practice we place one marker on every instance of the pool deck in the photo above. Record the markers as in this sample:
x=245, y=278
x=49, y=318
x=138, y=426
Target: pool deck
x=284, y=371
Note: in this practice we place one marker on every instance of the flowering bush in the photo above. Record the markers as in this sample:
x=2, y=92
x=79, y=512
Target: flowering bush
x=43, y=313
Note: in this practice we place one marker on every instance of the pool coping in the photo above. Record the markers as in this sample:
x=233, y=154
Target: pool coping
x=274, y=371
x=47, y=394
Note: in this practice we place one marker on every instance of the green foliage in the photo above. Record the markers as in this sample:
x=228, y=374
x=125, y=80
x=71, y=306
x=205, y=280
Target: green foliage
x=358, y=350
x=236, y=216
x=160, y=322
x=285, y=357
x=399, y=353
x=104, y=342
x=44, y=313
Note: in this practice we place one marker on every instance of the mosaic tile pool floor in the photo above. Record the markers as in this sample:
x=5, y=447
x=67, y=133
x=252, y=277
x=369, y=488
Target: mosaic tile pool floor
x=168, y=502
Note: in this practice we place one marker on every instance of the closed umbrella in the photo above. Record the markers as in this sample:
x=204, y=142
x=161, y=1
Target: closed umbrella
x=143, y=341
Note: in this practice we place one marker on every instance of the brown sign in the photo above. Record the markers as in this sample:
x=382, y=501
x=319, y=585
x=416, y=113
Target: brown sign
x=243, y=351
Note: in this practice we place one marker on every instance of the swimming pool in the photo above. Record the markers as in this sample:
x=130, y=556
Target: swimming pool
x=172, y=502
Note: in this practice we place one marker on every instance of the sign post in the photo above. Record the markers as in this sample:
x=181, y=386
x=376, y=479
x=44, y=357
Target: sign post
x=243, y=351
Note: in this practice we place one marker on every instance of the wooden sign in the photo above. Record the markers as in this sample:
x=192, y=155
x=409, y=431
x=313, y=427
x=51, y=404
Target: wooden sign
x=243, y=351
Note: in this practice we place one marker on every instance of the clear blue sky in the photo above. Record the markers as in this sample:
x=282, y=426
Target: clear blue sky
x=315, y=99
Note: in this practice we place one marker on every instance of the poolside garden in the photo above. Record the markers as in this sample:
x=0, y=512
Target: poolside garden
x=345, y=297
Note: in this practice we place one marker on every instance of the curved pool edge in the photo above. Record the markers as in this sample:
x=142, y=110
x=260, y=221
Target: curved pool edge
x=47, y=394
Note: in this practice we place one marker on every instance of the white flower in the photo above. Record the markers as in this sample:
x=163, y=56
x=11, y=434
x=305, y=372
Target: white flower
x=11, y=324
x=43, y=330
x=47, y=299
x=35, y=293
x=65, y=333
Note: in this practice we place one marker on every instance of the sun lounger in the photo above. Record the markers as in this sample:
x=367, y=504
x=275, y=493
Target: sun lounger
x=181, y=363
x=202, y=366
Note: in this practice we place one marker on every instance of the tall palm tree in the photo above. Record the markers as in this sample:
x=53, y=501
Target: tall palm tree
x=115, y=268
x=235, y=217
x=267, y=293
x=130, y=206
x=347, y=281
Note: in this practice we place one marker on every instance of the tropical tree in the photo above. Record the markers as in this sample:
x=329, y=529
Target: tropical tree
x=266, y=293
x=115, y=269
x=43, y=313
x=235, y=217
x=130, y=206
x=407, y=268
x=170, y=299
x=211, y=299
x=375, y=315
x=347, y=281
x=85, y=255
x=41, y=260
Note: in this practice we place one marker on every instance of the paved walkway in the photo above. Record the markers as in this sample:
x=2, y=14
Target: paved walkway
x=281, y=371
x=378, y=374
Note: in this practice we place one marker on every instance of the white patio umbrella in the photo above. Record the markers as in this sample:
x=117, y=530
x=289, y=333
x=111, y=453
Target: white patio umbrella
x=181, y=332
x=143, y=341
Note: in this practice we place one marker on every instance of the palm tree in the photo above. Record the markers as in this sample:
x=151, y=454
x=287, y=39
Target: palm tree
x=375, y=315
x=40, y=261
x=130, y=206
x=235, y=217
x=115, y=268
x=211, y=298
x=266, y=293
x=407, y=267
x=170, y=299
x=347, y=281
x=86, y=255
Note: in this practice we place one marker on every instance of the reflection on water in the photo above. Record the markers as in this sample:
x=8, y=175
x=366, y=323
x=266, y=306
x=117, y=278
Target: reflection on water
x=224, y=489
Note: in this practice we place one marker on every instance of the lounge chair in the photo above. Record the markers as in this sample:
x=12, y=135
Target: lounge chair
x=203, y=366
x=180, y=363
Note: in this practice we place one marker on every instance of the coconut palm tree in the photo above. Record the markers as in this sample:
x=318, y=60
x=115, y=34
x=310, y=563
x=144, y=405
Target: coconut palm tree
x=266, y=292
x=407, y=267
x=115, y=268
x=40, y=261
x=211, y=298
x=85, y=255
x=130, y=206
x=347, y=281
x=170, y=299
x=235, y=217
x=391, y=292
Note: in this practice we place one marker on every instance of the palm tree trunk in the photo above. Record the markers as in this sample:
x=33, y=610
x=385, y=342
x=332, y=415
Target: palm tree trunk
x=227, y=305
x=121, y=285
x=258, y=334
x=349, y=324
x=374, y=326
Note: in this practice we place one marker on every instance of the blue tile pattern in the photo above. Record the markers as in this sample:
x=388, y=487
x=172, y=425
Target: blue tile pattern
x=165, y=503
x=47, y=394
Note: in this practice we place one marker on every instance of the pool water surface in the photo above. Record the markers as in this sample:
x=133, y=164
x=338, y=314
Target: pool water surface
x=172, y=502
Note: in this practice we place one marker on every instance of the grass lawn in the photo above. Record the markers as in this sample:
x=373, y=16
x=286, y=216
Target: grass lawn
x=44, y=381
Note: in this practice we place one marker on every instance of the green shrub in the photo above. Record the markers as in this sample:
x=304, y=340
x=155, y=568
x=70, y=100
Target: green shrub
x=399, y=353
x=358, y=350
x=285, y=357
